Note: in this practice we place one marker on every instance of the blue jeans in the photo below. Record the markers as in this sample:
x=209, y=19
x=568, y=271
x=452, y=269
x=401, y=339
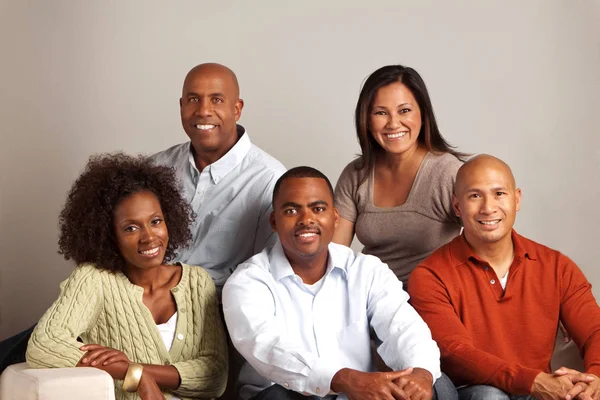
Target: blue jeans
x=485, y=392
x=12, y=350
x=443, y=389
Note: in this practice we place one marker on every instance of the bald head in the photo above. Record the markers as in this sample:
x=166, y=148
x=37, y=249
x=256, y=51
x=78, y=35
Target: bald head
x=213, y=71
x=482, y=164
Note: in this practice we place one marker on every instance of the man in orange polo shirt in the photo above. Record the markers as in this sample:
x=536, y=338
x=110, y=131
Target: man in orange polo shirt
x=493, y=299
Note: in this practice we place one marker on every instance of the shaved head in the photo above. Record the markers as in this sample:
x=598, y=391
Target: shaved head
x=213, y=70
x=482, y=162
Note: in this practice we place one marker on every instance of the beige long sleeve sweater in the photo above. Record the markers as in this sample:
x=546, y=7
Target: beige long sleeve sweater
x=105, y=308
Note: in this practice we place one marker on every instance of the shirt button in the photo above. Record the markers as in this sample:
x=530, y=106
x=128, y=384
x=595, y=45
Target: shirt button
x=174, y=290
x=167, y=363
x=493, y=281
x=180, y=336
x=486, y=267
x=183, y=310
x=318, y=390
x=286, y=385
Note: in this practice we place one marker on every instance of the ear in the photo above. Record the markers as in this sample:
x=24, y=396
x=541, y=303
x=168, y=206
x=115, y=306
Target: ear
x=517, y=199
x=180, y=103
x=239, y=104
x=336, y=217
x=455, y=205
x=272, y=221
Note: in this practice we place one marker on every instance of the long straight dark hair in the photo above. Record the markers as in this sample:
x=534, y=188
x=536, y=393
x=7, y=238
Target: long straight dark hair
x=429, y=137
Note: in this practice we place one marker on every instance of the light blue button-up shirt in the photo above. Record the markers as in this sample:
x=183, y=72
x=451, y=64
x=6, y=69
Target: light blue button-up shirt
x=299, y=339
x=232, y=199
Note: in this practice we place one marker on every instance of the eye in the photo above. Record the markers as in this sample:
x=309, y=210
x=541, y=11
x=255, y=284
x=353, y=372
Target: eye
x=404, y=110
x=217, y=100
x=130, y=228
x=156, y=221
x=319, y=209
x=193, y=100
x=290, y=211
x=500, y=193
x=379, y=113
x=474, y=196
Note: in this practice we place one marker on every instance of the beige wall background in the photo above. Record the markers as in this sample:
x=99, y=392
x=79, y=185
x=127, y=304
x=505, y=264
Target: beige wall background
x=517, y=79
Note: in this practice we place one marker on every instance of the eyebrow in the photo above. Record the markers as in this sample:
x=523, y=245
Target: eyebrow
x=399, y=105
x=188, y=94
x=296, y=205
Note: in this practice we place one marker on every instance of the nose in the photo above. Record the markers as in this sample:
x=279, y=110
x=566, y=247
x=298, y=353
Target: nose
x=203, y=109
x=395, y=120
x=146, y=234
x=488, y=206
x=306, y=218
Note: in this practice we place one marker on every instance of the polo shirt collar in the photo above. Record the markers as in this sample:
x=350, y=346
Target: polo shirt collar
x=462, y=252
x=224, y=165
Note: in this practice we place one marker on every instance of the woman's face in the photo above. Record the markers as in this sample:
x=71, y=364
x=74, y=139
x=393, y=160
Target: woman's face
x=141, y=231
x=395, y=119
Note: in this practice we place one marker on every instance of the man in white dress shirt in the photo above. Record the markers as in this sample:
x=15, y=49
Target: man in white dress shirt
x=302, y=312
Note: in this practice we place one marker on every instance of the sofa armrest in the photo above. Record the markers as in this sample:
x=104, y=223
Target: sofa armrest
x=19, y=382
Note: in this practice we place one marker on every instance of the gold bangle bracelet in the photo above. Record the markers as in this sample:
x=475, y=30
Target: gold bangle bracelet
x=132, y=377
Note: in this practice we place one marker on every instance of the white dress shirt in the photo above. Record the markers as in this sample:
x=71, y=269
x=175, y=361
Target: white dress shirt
x=232, y=200
x=300, y=340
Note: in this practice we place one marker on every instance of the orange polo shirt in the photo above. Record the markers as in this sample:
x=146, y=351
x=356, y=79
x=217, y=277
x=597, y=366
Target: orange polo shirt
x=504, y=338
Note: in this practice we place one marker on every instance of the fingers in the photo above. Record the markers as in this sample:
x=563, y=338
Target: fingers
x=116, y=358
x=576, y=390
x=397, y=393
x=564, y=371
x=91, y=346
x=393, y=375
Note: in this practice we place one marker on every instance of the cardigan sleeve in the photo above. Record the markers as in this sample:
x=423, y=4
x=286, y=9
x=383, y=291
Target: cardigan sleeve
x=206, y=374
x=461, y=360
x=53, y=343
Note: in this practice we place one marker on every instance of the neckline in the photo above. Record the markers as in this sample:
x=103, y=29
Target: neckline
x=408, y=200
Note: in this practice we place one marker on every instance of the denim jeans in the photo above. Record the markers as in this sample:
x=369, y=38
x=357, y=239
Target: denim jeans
x=12, y=350
x=484, y=392
x=443, y=389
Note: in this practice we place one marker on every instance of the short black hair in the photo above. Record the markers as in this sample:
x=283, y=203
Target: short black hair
x=86, y=223
x=301, y=172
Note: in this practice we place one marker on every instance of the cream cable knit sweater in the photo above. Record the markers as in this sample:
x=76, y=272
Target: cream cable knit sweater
x=106, y=308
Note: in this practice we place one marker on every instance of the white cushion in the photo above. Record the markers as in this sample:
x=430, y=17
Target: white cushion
x=19, y=382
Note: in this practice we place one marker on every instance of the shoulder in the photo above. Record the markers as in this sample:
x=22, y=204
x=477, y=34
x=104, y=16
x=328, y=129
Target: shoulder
x=356, y=264
x=172, y=154
x=443, y=165
x=547, y=256
x=351, y=172
x=266, y=162
x=195, y=273
x=256, y=267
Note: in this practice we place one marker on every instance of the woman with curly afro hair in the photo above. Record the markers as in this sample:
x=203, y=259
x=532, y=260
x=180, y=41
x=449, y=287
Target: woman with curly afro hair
x=153, y=326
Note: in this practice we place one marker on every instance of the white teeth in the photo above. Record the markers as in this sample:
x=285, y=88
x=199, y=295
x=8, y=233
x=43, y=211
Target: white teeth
x=307, y=235
x=204, y=127
x=395, y=135
x=150, y=252
x=494, y=222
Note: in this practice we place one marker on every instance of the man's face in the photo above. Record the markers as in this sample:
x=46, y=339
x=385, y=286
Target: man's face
x=304, y=218
x=210, y=108
x=487, y=202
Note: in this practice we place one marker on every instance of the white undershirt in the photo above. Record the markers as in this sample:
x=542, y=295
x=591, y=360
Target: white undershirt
x=503, y=281
x=167, y=331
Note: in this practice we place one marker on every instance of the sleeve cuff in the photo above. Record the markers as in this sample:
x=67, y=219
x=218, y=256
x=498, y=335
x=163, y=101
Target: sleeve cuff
x=319, y=379
x=523, y=381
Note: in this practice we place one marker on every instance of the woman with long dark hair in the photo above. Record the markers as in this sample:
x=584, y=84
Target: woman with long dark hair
x=397, y=195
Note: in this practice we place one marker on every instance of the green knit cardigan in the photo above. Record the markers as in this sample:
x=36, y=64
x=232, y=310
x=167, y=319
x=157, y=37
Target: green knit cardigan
x=105, y=308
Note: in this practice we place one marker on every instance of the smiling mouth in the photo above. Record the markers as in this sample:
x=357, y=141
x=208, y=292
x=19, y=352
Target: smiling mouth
x=204, y=127
x=395, y=135
x=490, y=223
x=150, y=252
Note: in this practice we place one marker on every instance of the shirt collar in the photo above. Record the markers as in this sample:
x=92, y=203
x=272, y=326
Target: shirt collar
x=280, y=266
x=224, y=165
x=461, y=251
